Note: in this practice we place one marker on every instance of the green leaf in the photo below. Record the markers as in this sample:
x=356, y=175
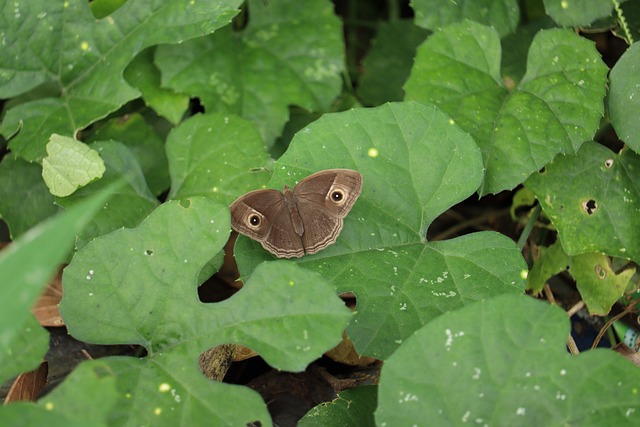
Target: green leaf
x=130, y=204
x=143, y=142
x=84, y=399
x=70, y=164
x=144, y=75
x=552, y=261
x=24, y=198
x=503, y=15
x=624, y=97
x=416, y=163
x=577, y=13
x=599, y=285
x=389, y=62
x=505, y=362
x=87, y=64
x=24, y=345
x=353, y=407
x=288, y=53
x=25, y=267
x=556, y=106
x=217, y=156
x=593, y=200
x=139, y=286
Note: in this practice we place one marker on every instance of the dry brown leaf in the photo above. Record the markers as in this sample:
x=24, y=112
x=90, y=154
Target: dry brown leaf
x=27, y=386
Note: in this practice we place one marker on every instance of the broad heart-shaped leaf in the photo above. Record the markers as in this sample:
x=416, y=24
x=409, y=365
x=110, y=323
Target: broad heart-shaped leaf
x=352, y=407
x=69, y=165
x=288, y=53
x=555, y=108
x=593, y=200
x=503, y=15
x=85, y=398
x=61, y=43
x=415, y=163
x=504, y=362
x=24, y=198
x=577, y=13
x=624, y=97
x=140, y=286
x=25, y=267
x=130, y=204
x=215, y=155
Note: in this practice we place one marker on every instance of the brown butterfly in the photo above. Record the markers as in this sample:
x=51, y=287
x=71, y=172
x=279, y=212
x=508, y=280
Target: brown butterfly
x=302, y=221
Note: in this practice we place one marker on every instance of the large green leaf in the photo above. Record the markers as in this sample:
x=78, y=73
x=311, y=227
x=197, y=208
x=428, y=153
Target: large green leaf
x=593, y=200
x=25, y=267
x=555, y=108
x=139, y=286
x=416, y=163
x=503, y=15
x=624, y=97
x=289, y=53
x=504, y=362
x=82, y=59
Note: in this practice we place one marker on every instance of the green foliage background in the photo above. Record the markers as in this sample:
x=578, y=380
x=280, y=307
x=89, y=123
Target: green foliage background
x=143, y=121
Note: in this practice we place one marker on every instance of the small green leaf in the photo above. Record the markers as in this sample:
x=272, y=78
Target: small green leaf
x=593, y=200
x=25, y=267
x=353, y=407
x=504, y=362
x=289, y=53
x=503, y=15
x=84, y=399
x=553, y=260
x=144, y=75
x=624, y=97
x=216, y=155
x=24, y=198
x=577, y=13
x=70, y=164
x=599, y=285
x=555, y=108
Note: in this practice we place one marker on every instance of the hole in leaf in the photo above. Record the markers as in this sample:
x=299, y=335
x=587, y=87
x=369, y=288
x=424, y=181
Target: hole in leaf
x=590, y=206
x=601, y=272
x=148, y=252
x=608, y=163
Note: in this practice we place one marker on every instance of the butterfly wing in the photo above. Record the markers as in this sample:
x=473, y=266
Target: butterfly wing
x=262, y=216
x=323, y=200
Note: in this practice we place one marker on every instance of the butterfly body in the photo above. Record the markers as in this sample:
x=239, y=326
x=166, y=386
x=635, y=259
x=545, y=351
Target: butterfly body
x=301, y=221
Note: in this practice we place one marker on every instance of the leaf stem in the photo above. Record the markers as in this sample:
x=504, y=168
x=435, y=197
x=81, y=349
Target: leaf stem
x=529, y=226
